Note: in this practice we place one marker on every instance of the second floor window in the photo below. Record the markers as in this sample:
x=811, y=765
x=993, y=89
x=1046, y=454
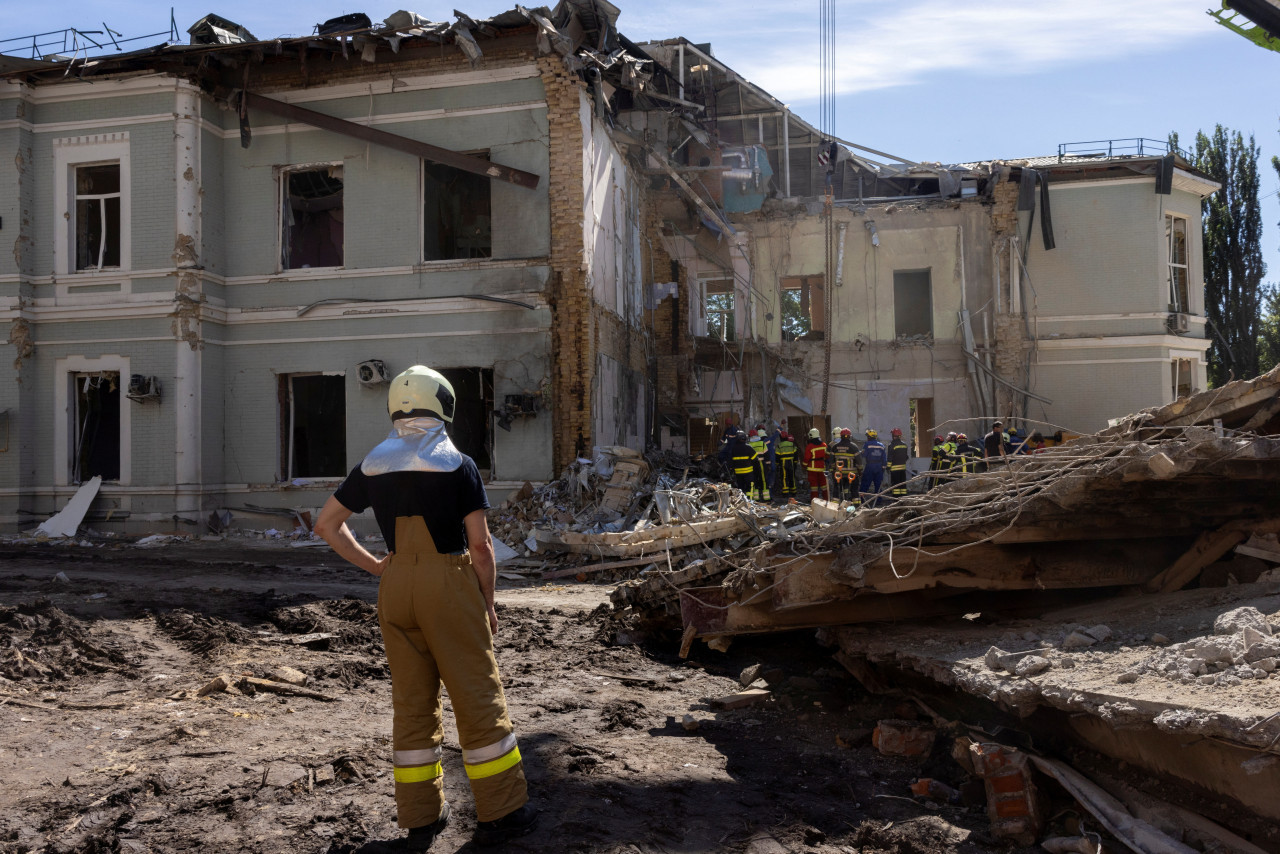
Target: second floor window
x=311, y=218
x=912, y=304
x=456, y=214
x=1175, y=232
x=718, y=305
x=97, y=216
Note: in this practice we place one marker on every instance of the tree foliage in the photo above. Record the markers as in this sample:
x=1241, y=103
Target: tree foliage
x=1234, y=295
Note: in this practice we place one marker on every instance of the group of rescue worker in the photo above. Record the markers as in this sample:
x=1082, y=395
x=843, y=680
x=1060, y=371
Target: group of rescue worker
x=763, y=465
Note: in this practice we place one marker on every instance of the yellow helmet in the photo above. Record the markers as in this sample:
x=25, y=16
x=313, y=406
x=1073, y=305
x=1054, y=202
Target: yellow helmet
x=871, y=434
x=420, y=391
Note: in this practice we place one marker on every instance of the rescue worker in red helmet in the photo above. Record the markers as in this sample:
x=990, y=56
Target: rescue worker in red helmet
x=898, y=454
x=436, y=611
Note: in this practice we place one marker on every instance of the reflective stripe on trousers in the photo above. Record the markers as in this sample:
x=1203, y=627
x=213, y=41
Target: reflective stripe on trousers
x=435, y=628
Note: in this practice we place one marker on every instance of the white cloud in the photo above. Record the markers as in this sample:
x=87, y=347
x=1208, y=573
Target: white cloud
x=882, y=45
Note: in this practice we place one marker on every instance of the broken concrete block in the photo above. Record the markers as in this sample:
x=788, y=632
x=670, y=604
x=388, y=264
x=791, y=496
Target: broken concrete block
x=1160, y=639
x=1032, y=665
x=1214, y=650
x=742, y=699
x=1162, y=466
x=1100, y=633
x=903, y=738
x=217, y=686
x=288, y=675
x=324, y=775
x=1078, y=640
x=1266, y=665
x=282, y=774
x=750, y=674
x=993, y=657
x=1241, y=618
x=763, y=843
x=1127, y=678
x=1260, y=649
x=689, y=722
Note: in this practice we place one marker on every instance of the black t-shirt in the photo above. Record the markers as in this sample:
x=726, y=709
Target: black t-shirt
x=442, y=499
x=992, y=442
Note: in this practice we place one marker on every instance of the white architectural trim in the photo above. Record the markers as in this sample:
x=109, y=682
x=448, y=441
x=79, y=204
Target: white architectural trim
x=1119, y=341
x=63, y=412
x=142, y=83
x=68, y=153
x=1099, y=182
x=1101, y=362
x=391, y=118
x=1182, y=180
x=393, y=84
x=1137, y=315
x=391, y=336
x=86, y=124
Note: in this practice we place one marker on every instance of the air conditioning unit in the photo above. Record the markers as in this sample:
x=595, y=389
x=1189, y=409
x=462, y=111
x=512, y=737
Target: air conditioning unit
x=1178, y=322
x=143, y=388
x=372, y=373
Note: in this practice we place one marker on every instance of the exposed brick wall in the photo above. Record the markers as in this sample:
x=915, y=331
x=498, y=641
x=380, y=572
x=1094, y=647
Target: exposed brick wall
x=1011, y=344
x=572, y=337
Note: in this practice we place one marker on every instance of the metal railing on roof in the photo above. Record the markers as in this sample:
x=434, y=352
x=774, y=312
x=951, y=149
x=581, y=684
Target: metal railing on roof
x=73, y=42
x=1133, y=147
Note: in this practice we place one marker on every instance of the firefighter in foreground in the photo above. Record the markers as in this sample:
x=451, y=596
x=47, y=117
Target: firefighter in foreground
x=874, y=458
x=743, y=461
x=436, y=611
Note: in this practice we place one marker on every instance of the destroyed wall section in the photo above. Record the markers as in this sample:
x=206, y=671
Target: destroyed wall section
x=1099, y=301
x=209, y=311
x=875, y=373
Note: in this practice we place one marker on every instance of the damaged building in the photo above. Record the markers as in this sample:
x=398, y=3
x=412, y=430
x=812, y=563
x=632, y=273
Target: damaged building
x=223, y=249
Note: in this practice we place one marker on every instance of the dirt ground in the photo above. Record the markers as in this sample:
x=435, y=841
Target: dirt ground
x=107, y=747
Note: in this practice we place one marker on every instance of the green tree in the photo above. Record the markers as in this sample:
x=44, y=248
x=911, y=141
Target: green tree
x=1233, y=268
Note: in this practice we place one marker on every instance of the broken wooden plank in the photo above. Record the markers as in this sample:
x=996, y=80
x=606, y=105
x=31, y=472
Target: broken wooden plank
x=589, y=569
x=640, y=542
x=267, y=685
x=1210, y=546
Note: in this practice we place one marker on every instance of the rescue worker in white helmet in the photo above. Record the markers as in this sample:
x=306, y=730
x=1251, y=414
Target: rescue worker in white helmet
x=436, y=611
x=814, y=459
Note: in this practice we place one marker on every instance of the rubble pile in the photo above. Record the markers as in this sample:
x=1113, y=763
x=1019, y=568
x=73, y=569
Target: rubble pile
x=625, y=514
x=1243, y=646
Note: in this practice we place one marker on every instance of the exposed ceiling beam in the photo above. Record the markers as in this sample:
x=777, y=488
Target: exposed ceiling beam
x=426, y=151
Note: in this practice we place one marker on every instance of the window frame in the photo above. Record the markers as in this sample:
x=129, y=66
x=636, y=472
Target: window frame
x=282, y=198
x=70, y=154
x=728, y=316
x=423, y=164
x=1179, y=300
x=65, y=414
x=287, y=408
x=931, y=332
x=812, y=290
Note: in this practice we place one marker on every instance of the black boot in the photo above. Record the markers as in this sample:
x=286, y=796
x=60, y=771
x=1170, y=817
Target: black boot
x=421, y=838
x=511, y=825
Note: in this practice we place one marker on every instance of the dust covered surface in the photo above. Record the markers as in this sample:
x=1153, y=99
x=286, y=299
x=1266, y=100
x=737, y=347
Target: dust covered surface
x=108, y=748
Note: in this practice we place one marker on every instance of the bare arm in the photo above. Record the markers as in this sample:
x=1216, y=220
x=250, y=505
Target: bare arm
x=480, y=544
x=332, y=528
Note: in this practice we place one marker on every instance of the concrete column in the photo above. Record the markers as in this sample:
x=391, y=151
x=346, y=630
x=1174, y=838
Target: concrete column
x=188, y=300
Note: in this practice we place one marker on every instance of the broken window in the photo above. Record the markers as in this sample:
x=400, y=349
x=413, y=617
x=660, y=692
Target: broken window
x=1175, y=232
x=718, y=306
x=912, y=304
x=313, y=421
x=96, y=422
x=311, y=221
x=1182, y=378
x=802, y=306
x=471, y=430
x=921, y=442
x=455, y=213
x=97, y=216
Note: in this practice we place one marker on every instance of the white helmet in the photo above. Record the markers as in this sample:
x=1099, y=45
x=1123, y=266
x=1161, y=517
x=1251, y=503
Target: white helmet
x=420, y=391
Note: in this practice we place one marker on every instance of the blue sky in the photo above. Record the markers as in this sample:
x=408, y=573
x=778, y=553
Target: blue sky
x=929, y=80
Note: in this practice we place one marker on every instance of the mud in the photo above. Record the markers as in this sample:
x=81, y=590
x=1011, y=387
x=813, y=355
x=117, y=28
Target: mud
x=108, y=748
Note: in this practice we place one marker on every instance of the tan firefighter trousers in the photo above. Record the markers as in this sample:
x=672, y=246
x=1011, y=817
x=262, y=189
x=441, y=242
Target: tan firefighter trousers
x=435, y=628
